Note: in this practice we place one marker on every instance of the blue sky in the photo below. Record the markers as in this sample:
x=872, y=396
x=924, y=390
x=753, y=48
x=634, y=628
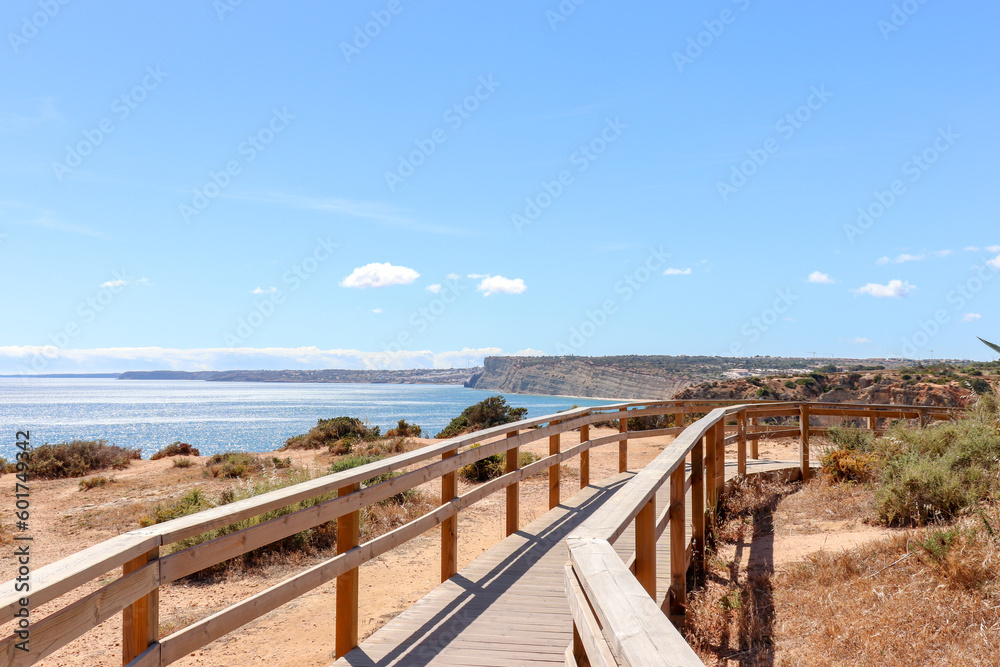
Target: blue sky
x=264, y=185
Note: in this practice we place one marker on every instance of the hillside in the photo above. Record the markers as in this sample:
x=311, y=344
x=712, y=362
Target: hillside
x=939, y=385
x=636, y=376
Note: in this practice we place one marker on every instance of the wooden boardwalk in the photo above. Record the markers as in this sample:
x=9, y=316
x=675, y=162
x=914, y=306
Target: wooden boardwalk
x=508, y=606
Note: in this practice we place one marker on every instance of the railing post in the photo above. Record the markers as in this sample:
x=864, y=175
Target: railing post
x=513, y=493
x=141, y=619
x=679, y=419
x=623, y=445
x=804, y=441
x=720, y=458
x=753, y=443
x=554, y=471
x=449, y=527
x=645, y=547
x=678, y=548
x=741, y=444
x=872, y=423
x=711, y=500
x=698, y=502
x=346, y=618
x=585, y=457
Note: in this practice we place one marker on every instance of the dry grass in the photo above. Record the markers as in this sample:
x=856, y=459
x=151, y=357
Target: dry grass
x=926, y=597
x=730, y=619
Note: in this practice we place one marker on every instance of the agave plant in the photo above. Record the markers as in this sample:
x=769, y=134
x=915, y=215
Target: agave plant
x=993, y=346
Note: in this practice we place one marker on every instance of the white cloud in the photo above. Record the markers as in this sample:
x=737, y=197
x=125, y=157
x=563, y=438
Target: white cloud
x=882, y=260
x=910, y=258
x=476, y=276
x=380, y=275
x=35, y=359
x=434, y=289
x=677, y=272
x=119, y=282
x=993, y=248
x=529, y=352
x=264, y=290
x=941, y=253
x=894, y=290
x=971, y=248
x=499, y=285
x=453, y=276
x=972, y=317
x=377, y=311
x=860, y=341
x=994, y=263
x=821, y=278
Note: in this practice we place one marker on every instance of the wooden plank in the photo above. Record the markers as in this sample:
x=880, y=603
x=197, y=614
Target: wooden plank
x=623, y=444
x=141, y=619
x=585, y=623
x=61, y=627
x=346, y=619
x=645, y=546
x=741, y=444
x=720, y=459
x=638, y=634
x=55, y=579
x=554, y=471
x=698, y=502
x=449, y=527
x=804, y=441
x=513, y=491
x=753, y=442
x=148, y=658
x=678, y=566
x=585, y=457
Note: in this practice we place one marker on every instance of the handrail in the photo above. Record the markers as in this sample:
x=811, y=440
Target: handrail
x=614, y=611
x=145, y=568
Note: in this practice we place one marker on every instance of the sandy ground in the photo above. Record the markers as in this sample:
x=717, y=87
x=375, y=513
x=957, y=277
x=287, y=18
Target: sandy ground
x=67, y=520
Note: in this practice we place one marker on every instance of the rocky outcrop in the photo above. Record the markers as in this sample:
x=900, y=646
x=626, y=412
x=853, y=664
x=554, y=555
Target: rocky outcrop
x=572, y=376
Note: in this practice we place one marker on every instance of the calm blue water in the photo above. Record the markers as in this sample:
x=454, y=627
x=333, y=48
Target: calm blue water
x=224, y=416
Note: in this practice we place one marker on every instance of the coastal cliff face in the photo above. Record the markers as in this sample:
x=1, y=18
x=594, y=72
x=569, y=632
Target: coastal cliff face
x=572, y=376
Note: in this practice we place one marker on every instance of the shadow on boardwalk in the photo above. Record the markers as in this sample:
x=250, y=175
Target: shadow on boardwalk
x=505, y=597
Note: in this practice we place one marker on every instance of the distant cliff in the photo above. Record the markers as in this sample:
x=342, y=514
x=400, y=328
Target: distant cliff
x=413, y=376
x=574, y=376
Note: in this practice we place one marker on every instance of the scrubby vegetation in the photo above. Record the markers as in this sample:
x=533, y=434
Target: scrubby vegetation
x=404, y=430
x=493, y=466
x=74, y=459
x=242, y=464
x=923, y=475
x=339, y=435
x=389, y=514
x=176, y=448
x=94, y=483
x=493, y=411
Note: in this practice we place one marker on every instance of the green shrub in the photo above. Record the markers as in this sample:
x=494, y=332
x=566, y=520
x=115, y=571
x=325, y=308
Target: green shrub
x=183, y=462
x=241, y=464
x=790, y=384
x=338, y=434
x=404, y=430
x=93, y=483
x=490, y=412
x=763, y=391
x=78, y=458
x=176, y=448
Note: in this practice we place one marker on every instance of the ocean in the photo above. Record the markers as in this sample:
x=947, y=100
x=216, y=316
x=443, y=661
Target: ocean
x=225, y=416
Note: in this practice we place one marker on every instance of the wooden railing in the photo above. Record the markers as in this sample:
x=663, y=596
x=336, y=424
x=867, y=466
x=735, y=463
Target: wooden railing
x=616, y=620
x=147, y=562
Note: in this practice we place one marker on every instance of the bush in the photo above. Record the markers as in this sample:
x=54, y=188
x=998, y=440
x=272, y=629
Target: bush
x=491, y=412
x=763, y=391
x=93, y=483
x=338, y=434
x=78, y=458
x=981, y=386
x=175, y=448
x=404, y=430
x=790, y=384
x=183, y=462
x=493, y=466
x=236, y=464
